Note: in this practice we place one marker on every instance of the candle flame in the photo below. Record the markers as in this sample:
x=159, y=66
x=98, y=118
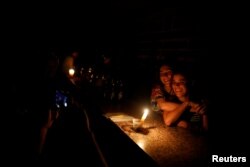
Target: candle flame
x=145, y=114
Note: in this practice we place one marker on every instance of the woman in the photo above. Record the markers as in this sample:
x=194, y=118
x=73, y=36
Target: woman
x=193, y=110
x=162, y=94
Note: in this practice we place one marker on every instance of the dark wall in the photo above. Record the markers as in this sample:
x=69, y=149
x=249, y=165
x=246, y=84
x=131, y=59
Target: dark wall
x=139, y=36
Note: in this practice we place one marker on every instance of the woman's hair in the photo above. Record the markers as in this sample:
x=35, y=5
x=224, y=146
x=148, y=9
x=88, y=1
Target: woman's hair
x=168, y=63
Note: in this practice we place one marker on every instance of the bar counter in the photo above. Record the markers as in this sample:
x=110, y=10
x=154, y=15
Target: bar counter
x=167, y=146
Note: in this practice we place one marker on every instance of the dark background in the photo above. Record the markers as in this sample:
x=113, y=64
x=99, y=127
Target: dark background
x=139, y=35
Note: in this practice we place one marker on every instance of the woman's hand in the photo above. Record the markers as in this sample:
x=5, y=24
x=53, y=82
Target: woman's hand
x=197, y=108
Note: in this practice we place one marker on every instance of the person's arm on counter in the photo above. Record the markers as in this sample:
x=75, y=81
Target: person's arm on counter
x=170, y=117
x=166, y=105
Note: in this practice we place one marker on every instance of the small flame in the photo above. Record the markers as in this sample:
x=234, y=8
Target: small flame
x=145, y=114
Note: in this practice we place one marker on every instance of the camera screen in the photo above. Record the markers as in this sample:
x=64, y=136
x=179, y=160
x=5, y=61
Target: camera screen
x=61, y=99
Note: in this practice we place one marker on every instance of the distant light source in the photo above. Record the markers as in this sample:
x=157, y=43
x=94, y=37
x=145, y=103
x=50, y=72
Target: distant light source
x=71, y=72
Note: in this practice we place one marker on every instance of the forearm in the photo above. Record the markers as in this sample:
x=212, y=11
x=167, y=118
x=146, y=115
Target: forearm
x=167, y=106
x=171, y=117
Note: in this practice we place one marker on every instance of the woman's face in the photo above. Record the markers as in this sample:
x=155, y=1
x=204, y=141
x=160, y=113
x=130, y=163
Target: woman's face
x=179, y=85
x=166, y=75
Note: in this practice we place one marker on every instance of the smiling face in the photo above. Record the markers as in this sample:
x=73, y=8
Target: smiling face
x=179, y=85
x=166, y=75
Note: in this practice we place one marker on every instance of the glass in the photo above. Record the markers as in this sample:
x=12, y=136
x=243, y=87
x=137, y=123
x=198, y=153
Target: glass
x=136, y=123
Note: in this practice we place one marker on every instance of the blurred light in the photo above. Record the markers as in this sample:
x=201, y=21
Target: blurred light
x=141, y=144
x=145, y=114
x=71, y=72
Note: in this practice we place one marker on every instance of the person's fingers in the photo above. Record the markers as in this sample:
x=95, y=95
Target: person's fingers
x=193, y=109
x=196, y=108
x=202, y=110
x=193, y=105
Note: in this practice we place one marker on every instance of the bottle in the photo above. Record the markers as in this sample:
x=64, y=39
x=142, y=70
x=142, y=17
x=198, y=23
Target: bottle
x=154, y=105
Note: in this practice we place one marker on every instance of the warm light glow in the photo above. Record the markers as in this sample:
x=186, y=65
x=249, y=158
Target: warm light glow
x=145, y=114
x=71, y=71
x=141, y=144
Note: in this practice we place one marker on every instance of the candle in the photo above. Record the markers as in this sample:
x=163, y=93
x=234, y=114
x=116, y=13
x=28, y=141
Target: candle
x=71, y=72
x=145, y=114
